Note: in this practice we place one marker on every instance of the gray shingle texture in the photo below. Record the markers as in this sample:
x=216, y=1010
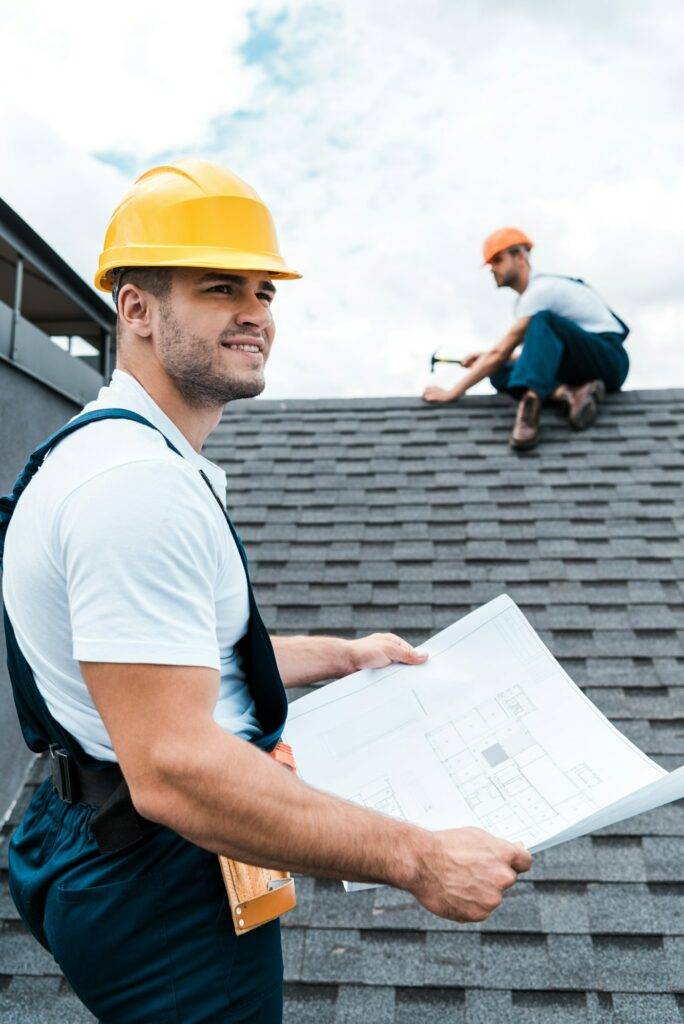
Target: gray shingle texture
x=384, y=514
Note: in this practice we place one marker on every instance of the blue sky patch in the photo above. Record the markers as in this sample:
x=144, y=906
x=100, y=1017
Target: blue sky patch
x=265, y=39
x=127, y=163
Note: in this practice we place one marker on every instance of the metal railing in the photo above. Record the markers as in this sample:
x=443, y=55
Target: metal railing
x=29, y=349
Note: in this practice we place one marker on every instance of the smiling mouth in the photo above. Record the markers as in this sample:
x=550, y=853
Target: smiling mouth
x=242, y=347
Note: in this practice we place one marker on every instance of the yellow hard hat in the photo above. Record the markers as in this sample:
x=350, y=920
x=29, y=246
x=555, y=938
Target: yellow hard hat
x=191, y=214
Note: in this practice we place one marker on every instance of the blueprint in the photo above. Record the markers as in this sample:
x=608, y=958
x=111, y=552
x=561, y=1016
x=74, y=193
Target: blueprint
x=489, y=732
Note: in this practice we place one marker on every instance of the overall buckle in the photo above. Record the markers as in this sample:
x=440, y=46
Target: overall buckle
x=62, y=778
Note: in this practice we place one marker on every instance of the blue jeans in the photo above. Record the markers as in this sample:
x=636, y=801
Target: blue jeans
x=557, y=351
x=143, y=935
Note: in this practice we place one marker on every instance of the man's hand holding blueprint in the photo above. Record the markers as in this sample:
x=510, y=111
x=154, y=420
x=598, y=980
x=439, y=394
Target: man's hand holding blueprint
x=489, y=733
x=466, y=874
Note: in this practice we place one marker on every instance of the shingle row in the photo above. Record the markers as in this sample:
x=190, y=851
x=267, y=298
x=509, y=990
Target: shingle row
x=497, y=960
x=552, y=907
x=358, y=1004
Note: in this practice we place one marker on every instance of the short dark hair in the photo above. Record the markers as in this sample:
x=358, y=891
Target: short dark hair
x=155, y=280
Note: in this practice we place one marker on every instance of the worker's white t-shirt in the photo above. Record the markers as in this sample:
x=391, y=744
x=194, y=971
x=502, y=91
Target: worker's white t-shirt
x=117, y=551
x=578, y=302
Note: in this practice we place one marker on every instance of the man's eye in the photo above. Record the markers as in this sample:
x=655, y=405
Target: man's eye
x=265, y=295
x=225, y=289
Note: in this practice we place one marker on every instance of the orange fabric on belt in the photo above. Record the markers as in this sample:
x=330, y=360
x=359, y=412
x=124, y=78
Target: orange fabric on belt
x=284, y=754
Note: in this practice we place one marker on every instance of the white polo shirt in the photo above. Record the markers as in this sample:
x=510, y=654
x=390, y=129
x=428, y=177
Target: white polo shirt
x=117, y=551
x=568, y=298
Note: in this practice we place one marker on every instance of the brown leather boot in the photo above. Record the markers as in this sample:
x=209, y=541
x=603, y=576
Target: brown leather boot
x=580, y=403
x=584, y=406
x=525, y=433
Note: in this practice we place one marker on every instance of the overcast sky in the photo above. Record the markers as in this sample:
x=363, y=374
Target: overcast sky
x=388, y=138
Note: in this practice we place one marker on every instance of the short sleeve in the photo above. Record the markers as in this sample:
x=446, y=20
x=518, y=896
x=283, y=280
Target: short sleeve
x=141, y=553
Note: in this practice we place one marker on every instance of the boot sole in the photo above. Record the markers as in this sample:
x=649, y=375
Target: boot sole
x=522, y=446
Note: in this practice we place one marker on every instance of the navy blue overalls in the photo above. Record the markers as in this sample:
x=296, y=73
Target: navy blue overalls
x=557, y=351
x=138, y=918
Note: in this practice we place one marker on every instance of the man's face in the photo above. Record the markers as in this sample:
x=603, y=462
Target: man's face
x=506, y=268
x=215, y=333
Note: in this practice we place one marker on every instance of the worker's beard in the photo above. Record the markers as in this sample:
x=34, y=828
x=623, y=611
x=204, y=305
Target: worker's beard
x=192, y=364
x=509, y=280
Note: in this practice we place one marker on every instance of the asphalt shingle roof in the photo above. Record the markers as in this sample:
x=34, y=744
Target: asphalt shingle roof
x=385, y=514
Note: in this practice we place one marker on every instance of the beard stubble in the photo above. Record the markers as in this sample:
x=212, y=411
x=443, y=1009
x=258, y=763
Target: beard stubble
x=191, y=363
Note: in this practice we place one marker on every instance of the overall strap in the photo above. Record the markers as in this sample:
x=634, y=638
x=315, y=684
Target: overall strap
x=257, y=652
x=623, y=325
x=117, y=824
x=256, y=649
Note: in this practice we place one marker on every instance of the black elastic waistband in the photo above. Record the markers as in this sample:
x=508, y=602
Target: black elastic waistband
x=76, y=785
x=117, y=824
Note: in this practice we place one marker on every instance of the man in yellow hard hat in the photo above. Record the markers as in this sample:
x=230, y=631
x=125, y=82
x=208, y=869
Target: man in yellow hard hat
x=138, y=657
x=566, y=344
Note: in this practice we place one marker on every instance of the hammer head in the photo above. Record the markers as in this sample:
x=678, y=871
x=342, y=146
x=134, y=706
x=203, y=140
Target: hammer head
x=433, y=360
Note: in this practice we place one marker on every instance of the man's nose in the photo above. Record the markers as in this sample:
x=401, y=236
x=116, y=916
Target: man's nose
x=253, y=311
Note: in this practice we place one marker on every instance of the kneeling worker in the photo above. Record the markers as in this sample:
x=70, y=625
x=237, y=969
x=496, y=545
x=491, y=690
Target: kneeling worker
x=138, y=657
x=571, y=345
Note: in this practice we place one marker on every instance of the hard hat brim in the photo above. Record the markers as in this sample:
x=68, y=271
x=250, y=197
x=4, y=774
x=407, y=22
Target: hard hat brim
x=498, y=252
x=209, y=259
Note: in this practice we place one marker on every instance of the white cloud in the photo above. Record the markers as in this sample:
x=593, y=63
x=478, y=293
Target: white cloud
x=388, y=139
x=135, y=77
x=64, y=194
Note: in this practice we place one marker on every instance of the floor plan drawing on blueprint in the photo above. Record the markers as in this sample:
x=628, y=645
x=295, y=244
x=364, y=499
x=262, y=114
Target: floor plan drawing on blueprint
x=490, y=731
x=504, y=772
x=380, y=796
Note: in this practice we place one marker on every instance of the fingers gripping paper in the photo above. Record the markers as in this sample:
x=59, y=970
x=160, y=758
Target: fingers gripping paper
x=489, y=732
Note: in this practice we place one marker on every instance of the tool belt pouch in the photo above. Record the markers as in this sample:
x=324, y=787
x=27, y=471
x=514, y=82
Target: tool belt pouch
x=257, y=895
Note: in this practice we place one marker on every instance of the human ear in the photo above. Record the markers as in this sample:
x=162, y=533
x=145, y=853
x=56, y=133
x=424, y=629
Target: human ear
x=134, y=310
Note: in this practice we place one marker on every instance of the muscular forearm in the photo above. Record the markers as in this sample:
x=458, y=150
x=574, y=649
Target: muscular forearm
x=489, y=362
x=310, y=659
x=199, y=789
x=227, y=796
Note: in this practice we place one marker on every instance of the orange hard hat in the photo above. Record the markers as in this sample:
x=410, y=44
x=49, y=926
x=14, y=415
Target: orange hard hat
x=503, y=239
